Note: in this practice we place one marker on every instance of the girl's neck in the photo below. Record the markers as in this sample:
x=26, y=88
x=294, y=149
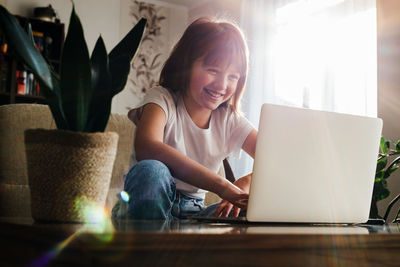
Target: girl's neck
x=200, y=116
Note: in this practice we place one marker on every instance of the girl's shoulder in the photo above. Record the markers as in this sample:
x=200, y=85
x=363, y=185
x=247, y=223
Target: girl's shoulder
x=159, y=95
x=161, y=92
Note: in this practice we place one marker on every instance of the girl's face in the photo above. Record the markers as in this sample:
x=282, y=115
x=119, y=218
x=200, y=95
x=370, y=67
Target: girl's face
x=211, y=84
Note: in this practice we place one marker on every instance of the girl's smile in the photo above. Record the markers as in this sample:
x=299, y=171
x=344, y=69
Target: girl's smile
x=214, y=95
x=209, y=87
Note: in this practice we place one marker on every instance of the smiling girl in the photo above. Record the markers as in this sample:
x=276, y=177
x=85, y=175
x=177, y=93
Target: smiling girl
x=187, y=125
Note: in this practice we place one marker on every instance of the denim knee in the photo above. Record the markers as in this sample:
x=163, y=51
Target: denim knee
x=151, y=188
x=148, y=175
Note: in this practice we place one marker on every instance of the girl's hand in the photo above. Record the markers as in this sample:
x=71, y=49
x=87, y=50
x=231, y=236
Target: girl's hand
x=224, y=208
x=235, y=196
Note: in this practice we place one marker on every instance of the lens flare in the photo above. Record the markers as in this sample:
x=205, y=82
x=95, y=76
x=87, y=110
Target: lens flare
x=94, y=214
x=46, y=258
x=124, y=196
x=96, y=222
x=101, y=226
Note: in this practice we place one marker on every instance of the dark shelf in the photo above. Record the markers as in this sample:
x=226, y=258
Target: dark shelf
x=29, y=99
x=4, y=98
x=49, y=39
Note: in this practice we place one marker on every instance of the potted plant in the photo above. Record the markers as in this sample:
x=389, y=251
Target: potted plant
x=384, y=169
x=70, y=167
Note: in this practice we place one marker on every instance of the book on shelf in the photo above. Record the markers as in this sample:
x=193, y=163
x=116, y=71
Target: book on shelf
x=26, y=83
x=21, y=81
x=38, y=37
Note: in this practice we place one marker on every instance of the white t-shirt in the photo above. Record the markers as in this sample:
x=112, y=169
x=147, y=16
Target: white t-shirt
x=224, y=137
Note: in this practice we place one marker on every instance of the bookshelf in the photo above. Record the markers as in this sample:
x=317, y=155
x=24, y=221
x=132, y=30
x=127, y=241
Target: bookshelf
x=17, y=84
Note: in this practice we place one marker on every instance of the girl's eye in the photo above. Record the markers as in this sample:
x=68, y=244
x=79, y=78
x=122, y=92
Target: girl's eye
x=234, y=77
x=214, y=71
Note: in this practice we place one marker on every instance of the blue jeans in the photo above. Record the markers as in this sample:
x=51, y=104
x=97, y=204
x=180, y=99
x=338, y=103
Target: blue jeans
x=153, y=195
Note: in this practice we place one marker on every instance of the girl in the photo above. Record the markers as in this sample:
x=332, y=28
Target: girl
x=188, y=125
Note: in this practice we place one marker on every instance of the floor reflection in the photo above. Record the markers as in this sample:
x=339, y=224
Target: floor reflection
x=193, y=226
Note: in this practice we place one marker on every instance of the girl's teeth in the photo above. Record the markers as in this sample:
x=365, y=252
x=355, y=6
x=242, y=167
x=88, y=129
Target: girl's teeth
x=214, y=94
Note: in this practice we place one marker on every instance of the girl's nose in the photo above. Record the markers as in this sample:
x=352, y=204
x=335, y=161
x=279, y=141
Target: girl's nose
x=221, y=82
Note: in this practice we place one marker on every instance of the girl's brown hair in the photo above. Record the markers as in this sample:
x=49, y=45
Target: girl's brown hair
x=217, y=42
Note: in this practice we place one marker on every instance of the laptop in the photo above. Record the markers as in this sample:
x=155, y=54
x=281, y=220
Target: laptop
x=312, y=166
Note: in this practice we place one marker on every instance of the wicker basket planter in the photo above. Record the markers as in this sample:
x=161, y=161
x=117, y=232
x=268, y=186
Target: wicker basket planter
x=68, y=172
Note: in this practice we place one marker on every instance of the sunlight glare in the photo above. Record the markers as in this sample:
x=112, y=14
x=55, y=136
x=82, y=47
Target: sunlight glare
x=323, y=61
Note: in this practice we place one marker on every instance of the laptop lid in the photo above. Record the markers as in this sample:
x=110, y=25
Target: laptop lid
x=313, y=166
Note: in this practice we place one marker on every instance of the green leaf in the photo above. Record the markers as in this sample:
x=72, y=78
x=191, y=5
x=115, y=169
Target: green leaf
x=380, y=190
x=383, y=194
x=381, y=164
x=76, y=88
x=379, y=175
x=53, y=99
x=122, y=55
x=398, y=146
x=25, y=50
x=385, y=144
x=100, y=107
x=30, y=34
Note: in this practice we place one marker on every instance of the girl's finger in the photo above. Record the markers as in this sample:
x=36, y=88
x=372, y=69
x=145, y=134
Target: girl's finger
x=227, y=210
x=219, y=209
x=242, y=203
x=236, y=211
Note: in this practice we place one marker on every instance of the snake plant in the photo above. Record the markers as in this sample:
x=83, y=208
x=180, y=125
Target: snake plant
x=80, y=97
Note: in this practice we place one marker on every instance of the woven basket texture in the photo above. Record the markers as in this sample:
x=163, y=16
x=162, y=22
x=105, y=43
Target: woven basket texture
x=67, y=171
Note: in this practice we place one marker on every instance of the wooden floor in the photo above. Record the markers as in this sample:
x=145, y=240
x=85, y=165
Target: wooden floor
x=66, y=245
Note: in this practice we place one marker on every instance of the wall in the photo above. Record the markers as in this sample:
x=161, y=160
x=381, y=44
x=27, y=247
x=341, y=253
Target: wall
x=388, y=23
x=228, y=9
x=157, y=47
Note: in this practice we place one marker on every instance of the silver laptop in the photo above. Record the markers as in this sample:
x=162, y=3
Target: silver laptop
x=313, y=166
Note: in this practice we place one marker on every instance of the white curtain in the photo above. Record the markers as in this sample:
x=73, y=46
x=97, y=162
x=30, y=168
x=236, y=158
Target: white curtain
x=318, y=54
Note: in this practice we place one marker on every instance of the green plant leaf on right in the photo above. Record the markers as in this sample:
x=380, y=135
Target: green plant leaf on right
x=384, y=145
x=381, y=164
x=383, y=172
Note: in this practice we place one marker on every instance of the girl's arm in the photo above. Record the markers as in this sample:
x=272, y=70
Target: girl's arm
x=243, y=183
x=249, y=146
x=149, y=145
